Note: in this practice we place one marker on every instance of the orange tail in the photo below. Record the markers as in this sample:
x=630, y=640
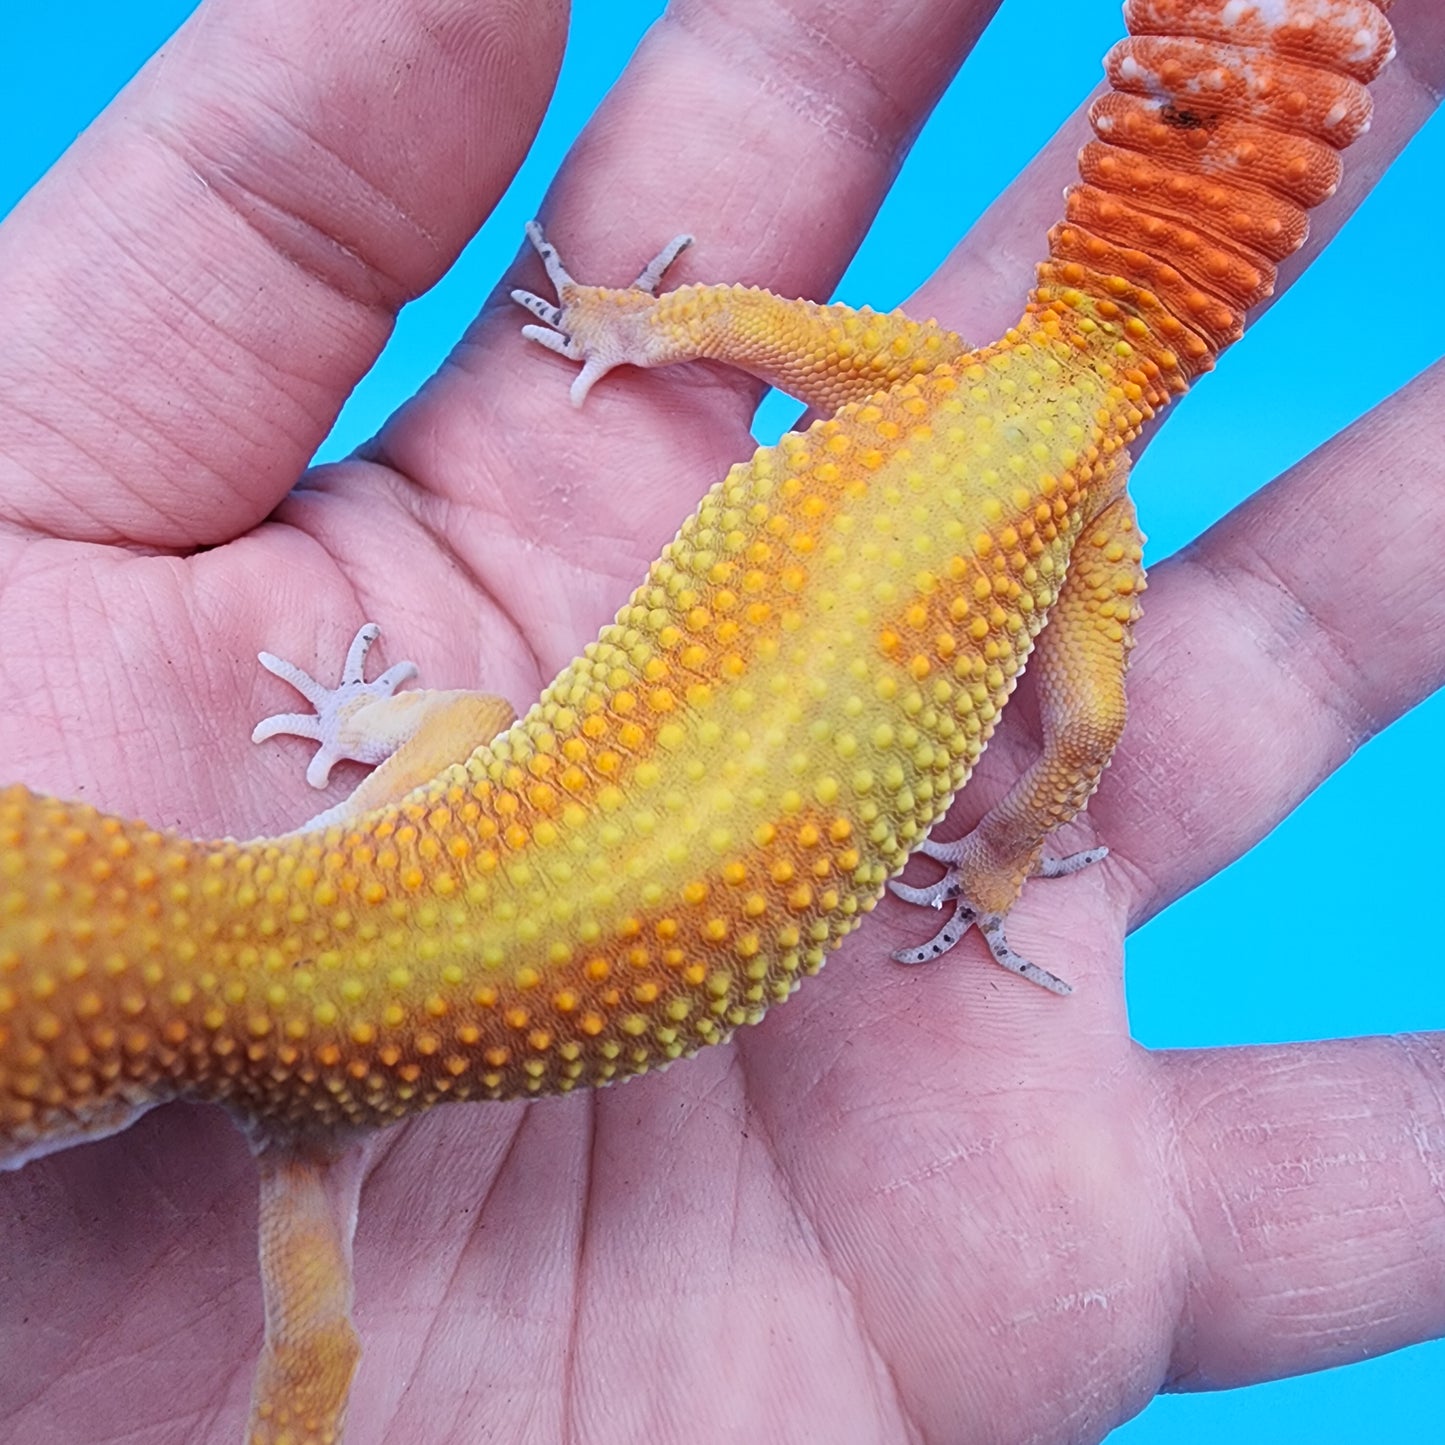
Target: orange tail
x=1222, y=129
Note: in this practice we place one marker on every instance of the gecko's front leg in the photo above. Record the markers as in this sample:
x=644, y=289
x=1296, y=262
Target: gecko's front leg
x=310, y=1187
x=358, y=720
x=409, y=737
x=309, y=1194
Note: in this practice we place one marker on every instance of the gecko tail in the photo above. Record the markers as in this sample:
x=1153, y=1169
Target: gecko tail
x=1222, y=129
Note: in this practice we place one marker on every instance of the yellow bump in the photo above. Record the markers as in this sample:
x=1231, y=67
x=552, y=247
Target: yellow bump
x=47, y=1028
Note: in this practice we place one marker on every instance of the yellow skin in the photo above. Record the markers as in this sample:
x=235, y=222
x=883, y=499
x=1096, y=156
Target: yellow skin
x=692, y=815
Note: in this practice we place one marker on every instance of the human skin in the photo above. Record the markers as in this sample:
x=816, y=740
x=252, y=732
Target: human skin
x=914, y=1204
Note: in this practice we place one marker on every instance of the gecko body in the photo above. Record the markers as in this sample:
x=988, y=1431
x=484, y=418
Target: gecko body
x=695, y=811
x=702, y=805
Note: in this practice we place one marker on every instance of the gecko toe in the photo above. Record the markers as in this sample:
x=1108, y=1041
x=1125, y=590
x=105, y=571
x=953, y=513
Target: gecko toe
x=333, y=724
x=954, y=887
x=946, y=937
x=1070, y=863
x=992, y=929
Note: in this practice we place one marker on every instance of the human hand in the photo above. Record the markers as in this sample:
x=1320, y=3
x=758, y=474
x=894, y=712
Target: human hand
x=932, y=1200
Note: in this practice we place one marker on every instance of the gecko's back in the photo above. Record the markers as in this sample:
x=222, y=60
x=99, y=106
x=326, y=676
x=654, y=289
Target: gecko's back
x=693, y=814
x=709, y=799
x=702, y=805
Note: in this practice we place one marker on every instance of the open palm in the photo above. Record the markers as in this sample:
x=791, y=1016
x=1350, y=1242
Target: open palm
x=913, y=1205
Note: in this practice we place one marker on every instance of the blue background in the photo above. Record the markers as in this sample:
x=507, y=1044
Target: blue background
x=1304, y=973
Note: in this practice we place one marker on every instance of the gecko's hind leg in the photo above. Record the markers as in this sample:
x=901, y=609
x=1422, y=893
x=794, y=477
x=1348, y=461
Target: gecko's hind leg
x=952, y=889
x=599, y=326
x=826, y=356
x=1081, y=658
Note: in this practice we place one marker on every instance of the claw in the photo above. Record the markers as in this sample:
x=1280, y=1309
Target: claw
x=991, y=928
x=542, y=310
x=353, y=670
x=934, y=896
x=556, y=341
x=942, y=852
x=652, y=273
x=557, y=273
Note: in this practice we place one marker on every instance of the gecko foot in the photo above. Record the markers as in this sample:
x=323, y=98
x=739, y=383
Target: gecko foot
x=600, y=327
x=338, y=724
x=951, y=888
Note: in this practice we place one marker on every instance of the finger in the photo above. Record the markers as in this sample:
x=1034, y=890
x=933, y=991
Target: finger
x=1320, y=601
x=772, y=133
x=194, y=289
x=1312, y=1195
x=727, y=102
